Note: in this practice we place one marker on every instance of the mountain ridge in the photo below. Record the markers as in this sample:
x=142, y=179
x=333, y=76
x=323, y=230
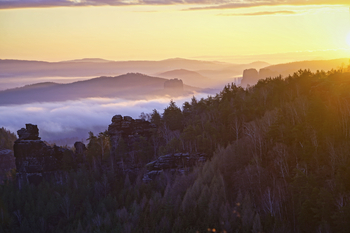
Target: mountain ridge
x=286, y=69
x=127, y=86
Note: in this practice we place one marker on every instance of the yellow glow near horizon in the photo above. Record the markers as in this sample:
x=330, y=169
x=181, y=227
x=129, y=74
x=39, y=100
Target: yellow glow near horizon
x=348, y=39
x=160, y=32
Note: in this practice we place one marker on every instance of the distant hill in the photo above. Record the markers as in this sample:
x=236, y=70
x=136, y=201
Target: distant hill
x=128, y=86
x=290, y=68
x=228, y=74
x=231, y=71
x=97, y=67
x=89, y=60
x=16, y=73
x=251, y=77
x=189, y=77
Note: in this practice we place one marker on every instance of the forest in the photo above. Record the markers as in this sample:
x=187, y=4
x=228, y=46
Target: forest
x=278, y=161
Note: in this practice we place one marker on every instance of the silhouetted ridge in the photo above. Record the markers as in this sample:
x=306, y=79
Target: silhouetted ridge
x=251, y=78
x=127, y=86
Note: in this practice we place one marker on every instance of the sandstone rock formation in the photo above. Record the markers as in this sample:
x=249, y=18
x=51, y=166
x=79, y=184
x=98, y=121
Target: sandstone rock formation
x=80, y=152
x=31, y=132
x=177, y=162
x=128, y=129
x=80, y=148
x=267, y=73
x=7, y=163
x=174, y=84
x=250, y=77
x=35, y=160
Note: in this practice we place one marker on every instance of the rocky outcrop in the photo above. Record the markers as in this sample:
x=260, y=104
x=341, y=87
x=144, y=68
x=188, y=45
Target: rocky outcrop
x=7, y=163
x=173, y=84
x=128, y=129
x=36, y=160
x=131, y=131
x=250, y=77
x=31, y=132
x=267, y=73
x=80, y=151
x=178, y=162
x=80, y=148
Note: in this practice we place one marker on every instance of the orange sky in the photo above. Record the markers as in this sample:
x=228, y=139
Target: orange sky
x=153, y=32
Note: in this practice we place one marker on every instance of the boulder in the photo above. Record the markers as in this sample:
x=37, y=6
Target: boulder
x=117, y=119
x=128, y=118
x=31, y=132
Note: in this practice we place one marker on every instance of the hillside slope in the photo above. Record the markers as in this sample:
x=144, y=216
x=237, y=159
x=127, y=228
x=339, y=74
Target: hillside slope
x=286, y=69
x=89, y=67
x=189, y=77
x=128, y=86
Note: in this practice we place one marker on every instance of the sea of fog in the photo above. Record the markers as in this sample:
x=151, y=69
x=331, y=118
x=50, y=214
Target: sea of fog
x=65, y=122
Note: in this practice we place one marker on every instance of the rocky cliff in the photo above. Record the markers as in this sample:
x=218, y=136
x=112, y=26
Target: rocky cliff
x=178, y=162
x=80, y=152
x=250, y=77
x=35, y=160
x=267, y=73
x=129, y=130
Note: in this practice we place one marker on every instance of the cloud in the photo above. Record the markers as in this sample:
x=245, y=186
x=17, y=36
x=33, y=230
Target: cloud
x=76, y=118
x=261, y=13
x=8, y=4
x=208, y=4
x=236, y=4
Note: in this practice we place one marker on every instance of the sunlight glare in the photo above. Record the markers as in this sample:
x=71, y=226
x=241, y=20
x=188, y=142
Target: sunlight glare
x=348, y=39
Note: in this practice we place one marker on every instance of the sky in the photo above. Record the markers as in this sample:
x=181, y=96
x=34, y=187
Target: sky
x=237, y=31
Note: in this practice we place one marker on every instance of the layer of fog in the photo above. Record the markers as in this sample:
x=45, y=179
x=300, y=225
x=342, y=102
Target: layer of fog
x=65, y=122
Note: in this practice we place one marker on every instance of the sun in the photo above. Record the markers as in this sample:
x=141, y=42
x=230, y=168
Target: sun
x=348, y=39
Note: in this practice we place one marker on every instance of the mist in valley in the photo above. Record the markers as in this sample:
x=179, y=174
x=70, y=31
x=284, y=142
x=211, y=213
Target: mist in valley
x=66, y=122
x=67, y=108
x=66, y=101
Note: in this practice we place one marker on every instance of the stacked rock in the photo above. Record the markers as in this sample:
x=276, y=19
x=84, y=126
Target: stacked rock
x=35, y=160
